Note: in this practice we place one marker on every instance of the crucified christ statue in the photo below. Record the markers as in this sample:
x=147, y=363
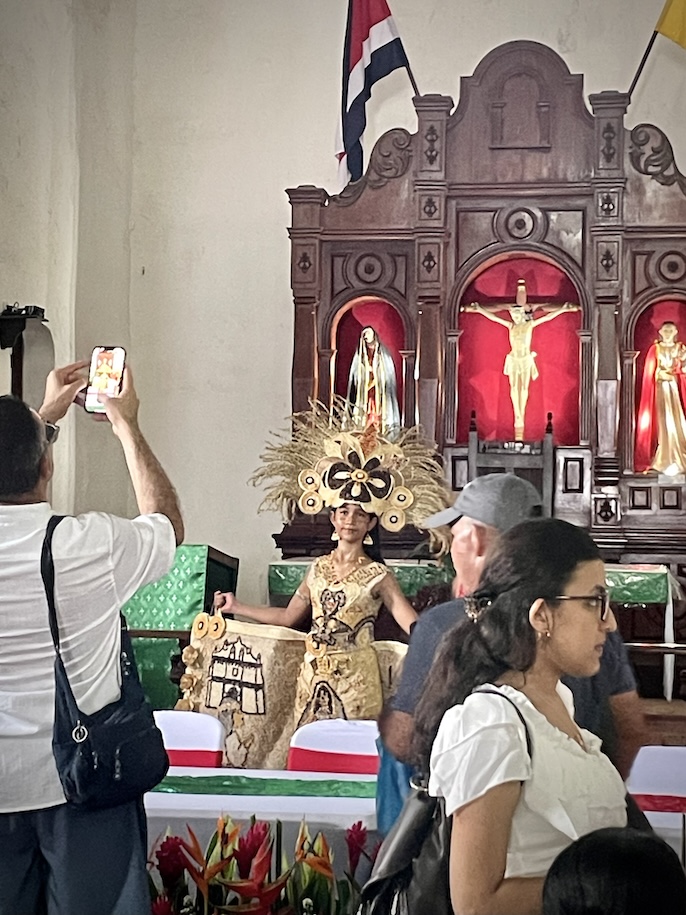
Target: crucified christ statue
x=520, y=362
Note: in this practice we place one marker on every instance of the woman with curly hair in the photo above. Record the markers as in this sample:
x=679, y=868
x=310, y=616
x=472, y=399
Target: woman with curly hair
x=520, y=783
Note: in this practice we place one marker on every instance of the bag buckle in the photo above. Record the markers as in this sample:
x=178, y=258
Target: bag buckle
x=80, y=732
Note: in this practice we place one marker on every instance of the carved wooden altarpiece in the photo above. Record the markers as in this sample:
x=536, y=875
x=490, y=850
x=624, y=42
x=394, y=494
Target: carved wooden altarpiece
x=523, y=179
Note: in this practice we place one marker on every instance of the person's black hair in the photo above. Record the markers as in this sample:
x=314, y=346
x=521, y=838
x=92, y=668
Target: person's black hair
x=531, y=560
x=21, y=448
x=373, y=549
x=616, y=872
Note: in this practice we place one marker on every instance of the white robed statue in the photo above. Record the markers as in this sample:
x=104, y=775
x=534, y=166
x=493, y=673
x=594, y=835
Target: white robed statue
x=372, y=388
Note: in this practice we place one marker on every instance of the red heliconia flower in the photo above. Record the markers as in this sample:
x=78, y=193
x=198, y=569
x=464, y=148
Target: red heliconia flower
x=171, y=861
x=248, y=846
x=162, y=906
x=356, y=839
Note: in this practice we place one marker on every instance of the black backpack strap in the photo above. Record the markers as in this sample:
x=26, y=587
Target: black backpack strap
x=495, y=692
x=47, y=571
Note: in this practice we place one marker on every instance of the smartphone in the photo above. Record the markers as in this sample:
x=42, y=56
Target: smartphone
x=105, y=375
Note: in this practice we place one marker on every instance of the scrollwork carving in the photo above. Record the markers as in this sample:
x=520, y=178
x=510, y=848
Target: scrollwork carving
x=658, y=163
x=390, y=158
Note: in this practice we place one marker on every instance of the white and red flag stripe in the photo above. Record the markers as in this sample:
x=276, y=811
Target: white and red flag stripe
x=372, y=50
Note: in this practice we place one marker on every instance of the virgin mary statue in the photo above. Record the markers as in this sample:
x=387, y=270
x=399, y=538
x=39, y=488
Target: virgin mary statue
x=372, y=389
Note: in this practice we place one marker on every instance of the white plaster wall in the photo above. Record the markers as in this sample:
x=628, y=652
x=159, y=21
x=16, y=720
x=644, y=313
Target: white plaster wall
x=193, y=117
x=38, y=191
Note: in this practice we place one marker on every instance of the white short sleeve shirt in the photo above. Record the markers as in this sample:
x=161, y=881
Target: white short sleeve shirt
x=100, y=561
x=567, y=791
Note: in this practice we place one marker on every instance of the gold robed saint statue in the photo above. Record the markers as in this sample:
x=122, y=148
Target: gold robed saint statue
x=661, y=427
x=520, y=363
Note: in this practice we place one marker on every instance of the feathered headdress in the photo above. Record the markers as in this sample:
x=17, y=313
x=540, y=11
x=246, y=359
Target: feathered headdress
x=329, y=460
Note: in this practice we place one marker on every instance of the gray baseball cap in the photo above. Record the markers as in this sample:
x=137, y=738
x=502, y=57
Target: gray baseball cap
x=499, y=500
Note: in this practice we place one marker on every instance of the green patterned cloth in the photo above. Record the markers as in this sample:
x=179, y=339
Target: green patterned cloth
x=246, y=786
x=285, y=576
x=641, y=584
x=172, y=603
x=174, y=600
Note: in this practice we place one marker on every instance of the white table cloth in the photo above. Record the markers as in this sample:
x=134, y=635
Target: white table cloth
x=332, y=815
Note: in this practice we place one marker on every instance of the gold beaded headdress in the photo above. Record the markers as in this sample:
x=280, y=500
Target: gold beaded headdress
x=329, y=460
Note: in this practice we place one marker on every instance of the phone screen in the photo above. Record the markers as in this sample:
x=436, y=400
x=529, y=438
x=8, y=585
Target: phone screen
x=105, y=375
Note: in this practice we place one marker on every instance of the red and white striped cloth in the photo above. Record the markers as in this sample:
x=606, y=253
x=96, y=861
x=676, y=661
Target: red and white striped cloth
x=335, y=745
x=191, y=738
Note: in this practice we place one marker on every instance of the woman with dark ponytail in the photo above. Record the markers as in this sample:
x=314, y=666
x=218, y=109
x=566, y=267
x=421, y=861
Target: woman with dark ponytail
x=521, y=783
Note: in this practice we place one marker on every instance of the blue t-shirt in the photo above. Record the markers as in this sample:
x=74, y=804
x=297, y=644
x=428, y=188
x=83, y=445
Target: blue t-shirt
x=591, y=694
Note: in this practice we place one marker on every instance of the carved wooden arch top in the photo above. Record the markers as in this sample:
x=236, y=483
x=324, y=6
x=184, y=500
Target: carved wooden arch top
x=506, y=253
x=663, y=301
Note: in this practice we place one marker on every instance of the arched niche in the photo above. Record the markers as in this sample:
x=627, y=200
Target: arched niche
x=484, y=346
x=350, y=321
x=645, y=335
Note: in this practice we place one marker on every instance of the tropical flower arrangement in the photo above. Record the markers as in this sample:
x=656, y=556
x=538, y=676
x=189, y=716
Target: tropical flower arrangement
x=247, y=873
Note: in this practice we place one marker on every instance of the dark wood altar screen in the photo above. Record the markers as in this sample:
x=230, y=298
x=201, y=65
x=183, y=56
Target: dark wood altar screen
x=526, y=173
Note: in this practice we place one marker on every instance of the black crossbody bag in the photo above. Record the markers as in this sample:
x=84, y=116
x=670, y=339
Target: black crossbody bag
x=116, y=754
x=411, y=874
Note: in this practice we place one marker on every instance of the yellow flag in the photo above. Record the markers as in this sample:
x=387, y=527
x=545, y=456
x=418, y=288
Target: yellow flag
x=672, y=22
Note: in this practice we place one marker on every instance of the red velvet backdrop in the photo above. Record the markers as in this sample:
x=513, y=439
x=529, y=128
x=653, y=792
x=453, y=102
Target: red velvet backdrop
x=645, y=334
x=389, y=328
x=484, y=346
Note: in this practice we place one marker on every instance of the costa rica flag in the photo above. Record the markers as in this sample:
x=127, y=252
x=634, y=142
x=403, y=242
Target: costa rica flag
x=372, y=50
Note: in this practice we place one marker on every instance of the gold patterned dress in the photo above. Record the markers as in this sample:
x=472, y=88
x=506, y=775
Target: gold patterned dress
x=339, y=676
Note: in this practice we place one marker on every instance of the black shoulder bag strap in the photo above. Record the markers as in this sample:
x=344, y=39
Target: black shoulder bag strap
x=495, y=692
x=65, y=695
x=47, y=571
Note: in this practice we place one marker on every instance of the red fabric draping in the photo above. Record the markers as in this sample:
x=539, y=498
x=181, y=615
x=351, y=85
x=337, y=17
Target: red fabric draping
x=210, y=759
x=303, y=760
x=645, y=337
x=484, y=346
x=661, y=803
x=389, y=328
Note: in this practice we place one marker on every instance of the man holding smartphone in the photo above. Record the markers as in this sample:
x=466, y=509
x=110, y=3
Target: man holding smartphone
x=56, y=858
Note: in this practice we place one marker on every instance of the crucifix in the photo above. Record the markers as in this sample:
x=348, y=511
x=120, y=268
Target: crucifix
x=520, y=363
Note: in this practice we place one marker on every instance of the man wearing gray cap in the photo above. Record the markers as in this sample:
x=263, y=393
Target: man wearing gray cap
x=606, y=704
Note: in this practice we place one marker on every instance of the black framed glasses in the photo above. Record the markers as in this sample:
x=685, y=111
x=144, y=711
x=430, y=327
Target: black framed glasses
x=52, y=433
x=600, y=600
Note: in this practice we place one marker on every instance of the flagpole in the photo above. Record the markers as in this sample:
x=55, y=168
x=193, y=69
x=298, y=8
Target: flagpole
x=412, y=79
x=642, y=64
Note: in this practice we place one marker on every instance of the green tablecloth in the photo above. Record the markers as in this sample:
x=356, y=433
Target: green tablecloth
x=285, y=576
x=246, y=786
x=641, y=584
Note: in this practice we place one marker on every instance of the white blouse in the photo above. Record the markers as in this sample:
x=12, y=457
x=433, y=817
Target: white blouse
x=567, y=791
